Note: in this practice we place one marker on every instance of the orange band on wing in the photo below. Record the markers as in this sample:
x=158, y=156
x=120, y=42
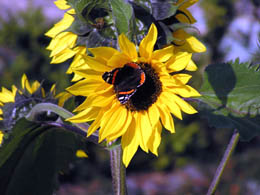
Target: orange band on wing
x=133, y=65
x=142, y=78
x=114, y=76
x=126, y=92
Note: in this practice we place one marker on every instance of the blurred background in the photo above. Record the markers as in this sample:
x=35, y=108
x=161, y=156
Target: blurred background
x=187, y=159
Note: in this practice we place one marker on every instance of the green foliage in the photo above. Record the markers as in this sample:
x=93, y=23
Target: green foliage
x=164, y=9
x=33, y=157
x=22, y=105
x=231, y=97
x=123, y=17
x=95, y=22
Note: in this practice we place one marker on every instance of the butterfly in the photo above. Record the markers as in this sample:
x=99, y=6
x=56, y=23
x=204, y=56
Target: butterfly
x=126, y=80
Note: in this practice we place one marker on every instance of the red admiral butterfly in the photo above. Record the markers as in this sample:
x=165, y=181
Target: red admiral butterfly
x=126, y=80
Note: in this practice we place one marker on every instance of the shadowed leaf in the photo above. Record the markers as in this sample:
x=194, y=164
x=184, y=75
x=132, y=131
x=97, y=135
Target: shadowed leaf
x=231, y=97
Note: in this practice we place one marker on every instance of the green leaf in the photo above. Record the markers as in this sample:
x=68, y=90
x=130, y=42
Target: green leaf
x=31, y=160
x=143, y=14
x=123, y=17
x=231, y=97
x=164, y=9
x=79, y=27
x=89, y=10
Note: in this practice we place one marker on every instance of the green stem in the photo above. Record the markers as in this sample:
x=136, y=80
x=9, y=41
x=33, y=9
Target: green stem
x=42, y=107
x=118, y=171
x=230, y=148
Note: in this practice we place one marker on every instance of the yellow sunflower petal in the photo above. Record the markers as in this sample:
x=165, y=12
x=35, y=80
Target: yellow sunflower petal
x=179, y=61
x=104, y=52
x=130, y=143
x=79, y=60
x=186, y=3
x=52, y=44
x=106, y=116
x=188, y=42
x=184, y=106
x=155, y=139
x=76, y=78
x=166, y=118
x=191, y=66
x=6, y=96
x=60, y=26
x=86, y=115
x=181, y=78
x=62, y=98
x=118, y=60
x=96, y=65
x=90, y=74
x=71, y=11
x=62, y=4
x=186, y=17
x=147, y=44
x=1, y=137
x=171, y=105
x=162, y=55
x=35, y=86
x=65, y=37
x=83, y=87
x=95, y=125
x=115, y=123
x=97, y=101
x=145, y=129
x=122, y=131
x=154, y=115
x=127, y=47
x=63, y=56
x=25, y=84
x=186, y=91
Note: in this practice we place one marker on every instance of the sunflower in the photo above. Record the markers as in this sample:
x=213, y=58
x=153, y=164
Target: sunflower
x=184, y=40
x=63, y=43
x=8, y=96
x=28, y=91
x=132, y=94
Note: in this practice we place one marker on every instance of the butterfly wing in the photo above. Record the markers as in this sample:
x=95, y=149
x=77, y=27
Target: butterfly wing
x=125, y=80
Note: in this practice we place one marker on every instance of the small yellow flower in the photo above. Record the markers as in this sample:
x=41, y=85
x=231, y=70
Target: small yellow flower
x=131, y=94
x=183, y=40
x=81, y=154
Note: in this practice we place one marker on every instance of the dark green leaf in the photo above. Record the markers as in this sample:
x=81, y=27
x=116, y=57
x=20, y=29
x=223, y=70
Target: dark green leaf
x=95, y=39
x=32, y=159
x=231, y=97
x=79, y=27
x=143, y=14
x=123, y=17
x=89, y=10
x=163, y=9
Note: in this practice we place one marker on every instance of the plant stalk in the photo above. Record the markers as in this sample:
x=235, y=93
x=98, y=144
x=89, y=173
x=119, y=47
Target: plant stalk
x=229, y=150
x=118, y=171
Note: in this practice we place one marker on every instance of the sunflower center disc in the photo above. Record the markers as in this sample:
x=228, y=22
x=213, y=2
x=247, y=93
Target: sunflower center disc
x=148, y=93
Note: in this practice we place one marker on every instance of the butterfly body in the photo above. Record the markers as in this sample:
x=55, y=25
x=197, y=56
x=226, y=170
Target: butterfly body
x=126, y=80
